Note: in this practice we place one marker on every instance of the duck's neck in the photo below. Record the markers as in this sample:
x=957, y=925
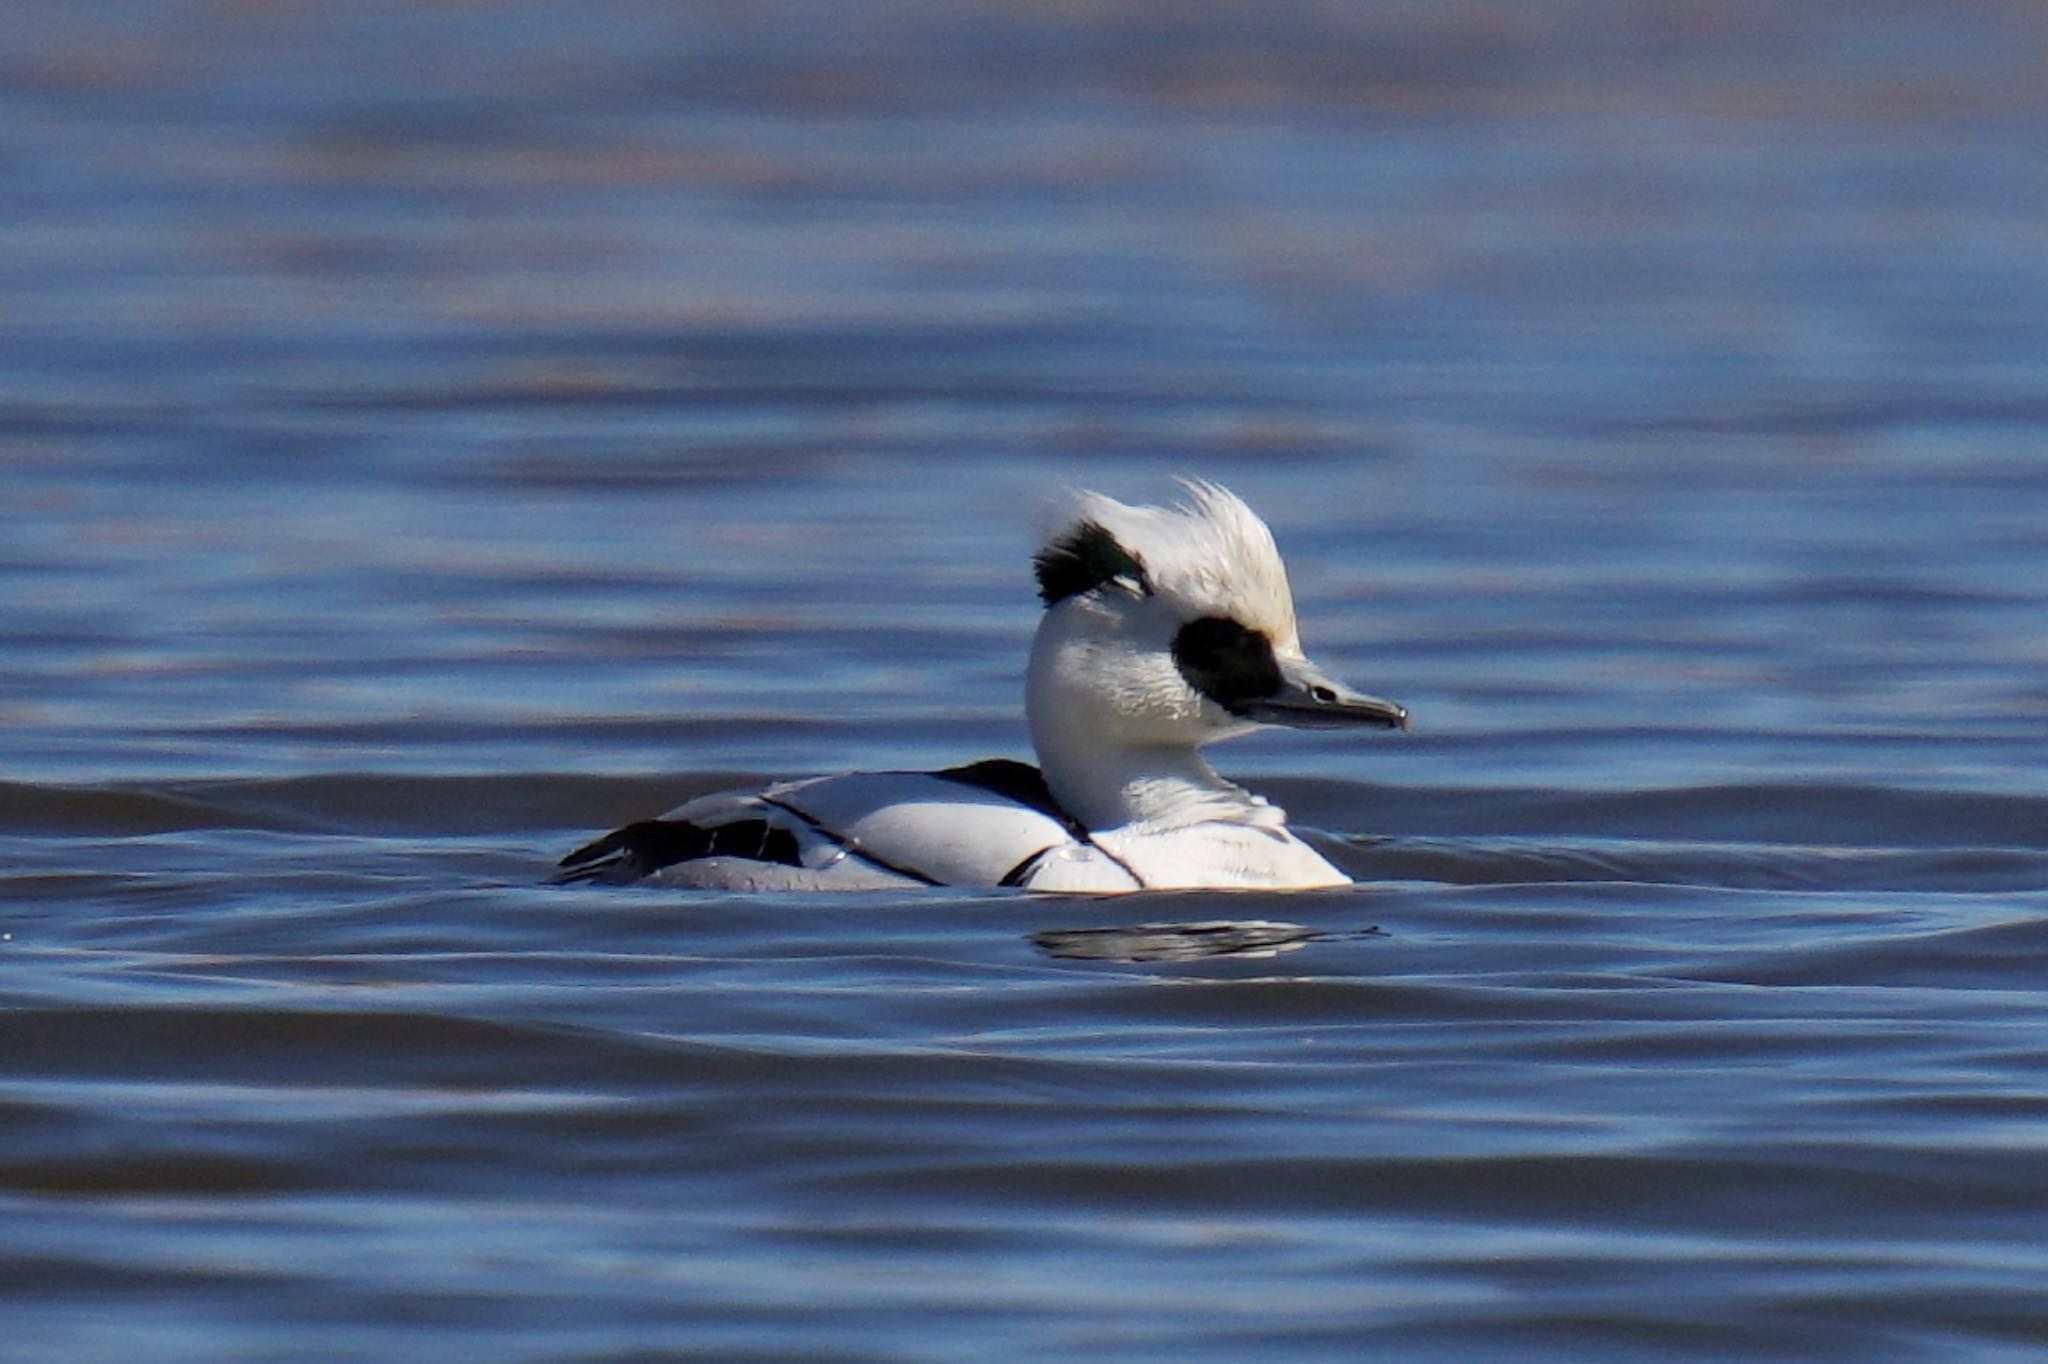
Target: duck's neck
x=1107, y=787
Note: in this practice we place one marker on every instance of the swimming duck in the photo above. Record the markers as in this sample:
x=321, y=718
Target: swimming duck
x=1165, y=629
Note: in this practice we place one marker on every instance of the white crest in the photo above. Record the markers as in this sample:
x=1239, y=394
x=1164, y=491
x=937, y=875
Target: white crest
x=1208, y=556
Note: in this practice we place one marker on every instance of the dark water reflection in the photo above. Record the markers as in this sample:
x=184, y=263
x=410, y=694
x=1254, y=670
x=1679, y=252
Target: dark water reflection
x=429, y=433
x=1255, y=938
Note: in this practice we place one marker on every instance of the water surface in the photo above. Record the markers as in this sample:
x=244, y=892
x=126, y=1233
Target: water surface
x=431, y=433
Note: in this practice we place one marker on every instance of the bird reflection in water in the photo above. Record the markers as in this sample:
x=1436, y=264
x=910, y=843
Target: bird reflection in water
x=1249, y=938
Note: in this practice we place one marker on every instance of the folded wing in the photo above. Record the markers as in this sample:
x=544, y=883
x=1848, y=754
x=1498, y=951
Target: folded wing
x=988, y=824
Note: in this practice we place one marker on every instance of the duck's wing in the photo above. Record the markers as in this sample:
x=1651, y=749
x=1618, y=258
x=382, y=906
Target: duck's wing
x=737, y=840
x=981, y=825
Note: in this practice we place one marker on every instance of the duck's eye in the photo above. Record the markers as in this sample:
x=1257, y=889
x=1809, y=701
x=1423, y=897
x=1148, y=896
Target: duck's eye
x=1229, y=663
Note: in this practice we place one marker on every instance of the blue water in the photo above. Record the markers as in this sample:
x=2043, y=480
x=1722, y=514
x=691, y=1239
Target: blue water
x=432, y=433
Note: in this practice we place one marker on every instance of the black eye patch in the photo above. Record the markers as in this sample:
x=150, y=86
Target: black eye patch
x=1226, y=662
x=1082, y=560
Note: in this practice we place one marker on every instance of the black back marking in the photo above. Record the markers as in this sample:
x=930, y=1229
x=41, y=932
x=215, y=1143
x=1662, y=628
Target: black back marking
x=1011, y=780
x=1229, y=663
x=1082, y=560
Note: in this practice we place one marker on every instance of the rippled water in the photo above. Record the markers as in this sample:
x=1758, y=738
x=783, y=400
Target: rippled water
x=431, y=433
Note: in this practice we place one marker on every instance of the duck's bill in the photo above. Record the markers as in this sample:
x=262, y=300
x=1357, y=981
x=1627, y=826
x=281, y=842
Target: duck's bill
x=1308, y=700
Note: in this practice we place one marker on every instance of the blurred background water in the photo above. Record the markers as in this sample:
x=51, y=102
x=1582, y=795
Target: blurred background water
x=432, y=432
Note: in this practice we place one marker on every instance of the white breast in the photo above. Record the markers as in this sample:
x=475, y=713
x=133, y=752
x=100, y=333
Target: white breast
x=1219, y=855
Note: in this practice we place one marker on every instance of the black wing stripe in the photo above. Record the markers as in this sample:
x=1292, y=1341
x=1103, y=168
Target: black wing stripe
x=1019, y=874
x=850, y=846
x=651, y=844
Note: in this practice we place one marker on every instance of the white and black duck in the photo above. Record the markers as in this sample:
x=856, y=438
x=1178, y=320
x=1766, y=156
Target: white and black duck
x=1165, y=629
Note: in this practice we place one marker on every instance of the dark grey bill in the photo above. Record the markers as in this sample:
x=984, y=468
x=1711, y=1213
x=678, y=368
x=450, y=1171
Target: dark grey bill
x=1308, y=700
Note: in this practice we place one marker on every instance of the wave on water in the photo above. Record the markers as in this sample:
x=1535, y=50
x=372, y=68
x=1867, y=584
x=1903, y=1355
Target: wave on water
x=1786, y=1037
x=1788, y=835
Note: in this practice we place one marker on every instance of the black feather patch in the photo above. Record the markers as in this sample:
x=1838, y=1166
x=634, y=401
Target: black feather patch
x=1082, y=560
x=1011, y=780
x=652, y=844
x=1226, y=662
